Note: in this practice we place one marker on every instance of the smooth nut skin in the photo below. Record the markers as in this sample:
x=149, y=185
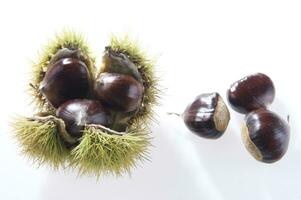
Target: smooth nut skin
x=266, y=135
x=207, y=116
x=80, y=112
x=119, y=92
x=66, y=79
x=251, y=92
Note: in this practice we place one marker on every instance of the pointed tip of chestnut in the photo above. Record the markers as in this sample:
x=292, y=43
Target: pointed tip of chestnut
x=117, y=62
x=207, y=116
x=79, y=112
x=120, y=92
x=265, y=135
x=65, y=79
x=251, y=92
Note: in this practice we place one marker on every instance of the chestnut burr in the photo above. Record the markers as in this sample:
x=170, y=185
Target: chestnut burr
x=251, y=92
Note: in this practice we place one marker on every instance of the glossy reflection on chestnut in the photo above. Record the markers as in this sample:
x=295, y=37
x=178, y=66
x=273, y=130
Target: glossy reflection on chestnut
x=265, y=135
x=119, y=92
x=251, y=92
x=79, y=112
x=66, y=79
x=207, y=116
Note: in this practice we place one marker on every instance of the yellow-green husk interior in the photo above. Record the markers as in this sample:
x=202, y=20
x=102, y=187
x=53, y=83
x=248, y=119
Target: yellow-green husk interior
x=102, y=153
x=40, y=141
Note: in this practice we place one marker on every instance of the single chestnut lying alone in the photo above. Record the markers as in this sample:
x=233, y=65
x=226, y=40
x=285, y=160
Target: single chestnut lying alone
x=265, y=135
x=207, y=116
x=251, y=92
x=66, y=79
x=80, y=112
x=119, y=92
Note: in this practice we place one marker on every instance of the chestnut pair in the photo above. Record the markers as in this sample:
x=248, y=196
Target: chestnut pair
x=264, y=133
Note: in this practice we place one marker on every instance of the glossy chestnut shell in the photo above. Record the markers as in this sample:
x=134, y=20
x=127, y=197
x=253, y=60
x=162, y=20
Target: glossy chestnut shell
x=207, y=116
x=119, y=92
x=65, y=79
x=251, y=92
x=265, y=135
x=80, y=112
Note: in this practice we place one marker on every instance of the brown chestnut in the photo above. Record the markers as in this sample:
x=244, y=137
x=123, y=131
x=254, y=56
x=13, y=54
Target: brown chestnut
x=265, y=135
x=65, y=79
x=80, y=112
x=117, y=62
x=207, y=116
x=251, y=92
x=119, y=92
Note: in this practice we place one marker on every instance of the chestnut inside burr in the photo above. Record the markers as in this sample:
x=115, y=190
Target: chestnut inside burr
x=207, y=116
x=117, y=62
x=119, y=92
x=80, y=112
x=66, y=79
x=266, y=135
x=251, y=92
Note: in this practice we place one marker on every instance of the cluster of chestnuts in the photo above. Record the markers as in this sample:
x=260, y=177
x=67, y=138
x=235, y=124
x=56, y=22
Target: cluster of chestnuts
x=100, y=119
x=94, y=119
x=265, y=134
x=116, y=95
x=79, y=99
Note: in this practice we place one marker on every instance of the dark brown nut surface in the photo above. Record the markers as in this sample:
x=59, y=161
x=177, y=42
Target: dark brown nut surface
x=80, y=112
x=265, y=135
x=207, y=116
x=119, y=92
x=251, y=92
x=66, y=79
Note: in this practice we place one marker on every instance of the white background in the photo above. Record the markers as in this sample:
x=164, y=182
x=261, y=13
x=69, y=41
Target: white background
x=201, y=46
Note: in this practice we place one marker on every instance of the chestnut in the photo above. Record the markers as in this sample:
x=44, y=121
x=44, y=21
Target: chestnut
x=118, y=62
x=80, y=112
x=251, y=92
x=119, y=92
x=265, y=135
x=65, y=79
x=207, y=116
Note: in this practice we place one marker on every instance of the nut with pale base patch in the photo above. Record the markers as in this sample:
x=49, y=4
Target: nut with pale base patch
x=265, y=135
x=221, y=115
x=250, y=146
x=207, y=116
